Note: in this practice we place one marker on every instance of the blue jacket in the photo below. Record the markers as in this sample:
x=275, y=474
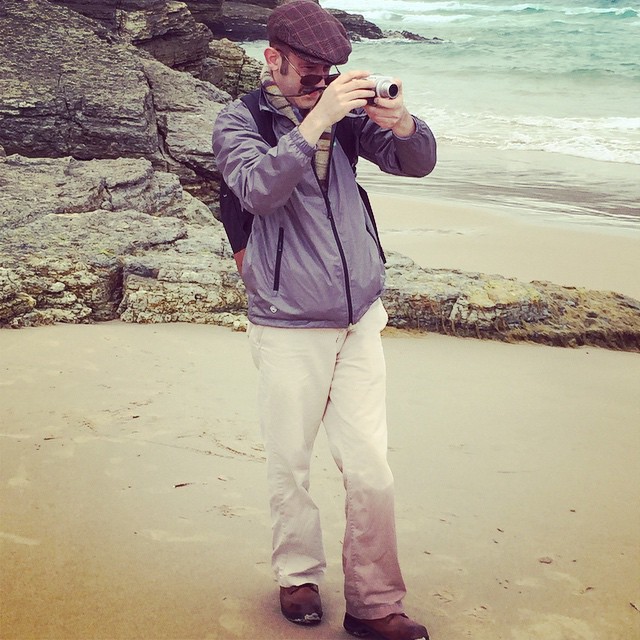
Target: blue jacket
x=312, y=259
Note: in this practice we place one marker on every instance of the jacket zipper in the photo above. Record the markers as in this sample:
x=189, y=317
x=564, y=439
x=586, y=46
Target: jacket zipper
x=276, y=276
x=345, y=270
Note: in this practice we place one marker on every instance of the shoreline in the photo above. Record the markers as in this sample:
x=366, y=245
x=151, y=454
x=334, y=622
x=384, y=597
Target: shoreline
x=540, y=185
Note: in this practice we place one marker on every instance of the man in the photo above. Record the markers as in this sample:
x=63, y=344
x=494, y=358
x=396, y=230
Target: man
x=314, y=275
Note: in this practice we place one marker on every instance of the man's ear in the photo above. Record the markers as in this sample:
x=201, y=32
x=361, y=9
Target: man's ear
x=272, y=58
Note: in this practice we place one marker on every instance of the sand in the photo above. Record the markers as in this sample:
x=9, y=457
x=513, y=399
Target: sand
x=585, y=252
x=133, y=503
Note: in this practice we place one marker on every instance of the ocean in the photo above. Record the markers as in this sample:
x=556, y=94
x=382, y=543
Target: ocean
x=535, y=105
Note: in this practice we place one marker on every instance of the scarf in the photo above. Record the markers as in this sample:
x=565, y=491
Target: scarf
x=283, y=106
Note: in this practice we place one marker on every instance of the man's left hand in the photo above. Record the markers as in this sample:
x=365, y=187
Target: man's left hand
x=391, y=113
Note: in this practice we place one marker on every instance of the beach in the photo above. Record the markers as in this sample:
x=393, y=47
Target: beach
x=453, y=234
x=133, y=499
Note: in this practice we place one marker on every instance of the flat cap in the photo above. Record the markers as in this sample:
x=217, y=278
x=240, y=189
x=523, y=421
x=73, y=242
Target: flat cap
x=310, y=31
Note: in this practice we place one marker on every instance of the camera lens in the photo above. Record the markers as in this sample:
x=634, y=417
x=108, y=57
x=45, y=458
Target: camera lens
x=385, y=86
x=391, y=90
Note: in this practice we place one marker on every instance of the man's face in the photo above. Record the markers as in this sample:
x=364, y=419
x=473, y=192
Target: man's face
x=289, y=69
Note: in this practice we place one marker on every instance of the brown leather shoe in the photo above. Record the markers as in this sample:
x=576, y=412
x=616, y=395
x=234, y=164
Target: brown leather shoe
x=301, y=604
x=396, y=626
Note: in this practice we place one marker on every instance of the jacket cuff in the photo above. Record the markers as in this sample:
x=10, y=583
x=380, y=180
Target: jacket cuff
x=298, y=140
x=416, y=132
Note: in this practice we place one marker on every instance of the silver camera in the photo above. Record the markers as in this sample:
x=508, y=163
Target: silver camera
x=385, y=87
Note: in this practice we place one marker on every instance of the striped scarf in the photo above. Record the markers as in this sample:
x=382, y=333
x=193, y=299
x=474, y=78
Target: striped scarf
x=283, y=106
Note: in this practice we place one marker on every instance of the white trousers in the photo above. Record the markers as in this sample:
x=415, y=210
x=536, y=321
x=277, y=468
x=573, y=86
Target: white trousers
x=336, y=377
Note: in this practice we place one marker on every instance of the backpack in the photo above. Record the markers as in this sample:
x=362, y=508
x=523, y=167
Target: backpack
x=237, y=221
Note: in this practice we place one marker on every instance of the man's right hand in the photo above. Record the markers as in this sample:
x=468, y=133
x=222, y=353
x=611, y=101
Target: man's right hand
x=347, y=92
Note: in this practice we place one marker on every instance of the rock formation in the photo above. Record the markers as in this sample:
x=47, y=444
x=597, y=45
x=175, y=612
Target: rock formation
x=357, y=27
x=244, y=20
x=68, y=90
x=240, y=72
x=108, y=184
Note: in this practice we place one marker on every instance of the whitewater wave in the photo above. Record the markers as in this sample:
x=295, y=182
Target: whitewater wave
x=398, y=7
x=610, y=139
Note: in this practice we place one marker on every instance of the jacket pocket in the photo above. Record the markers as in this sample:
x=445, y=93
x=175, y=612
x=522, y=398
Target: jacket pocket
x=279, y=248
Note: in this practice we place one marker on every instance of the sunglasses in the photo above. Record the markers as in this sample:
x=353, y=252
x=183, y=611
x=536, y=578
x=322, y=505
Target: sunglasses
x=311, y=79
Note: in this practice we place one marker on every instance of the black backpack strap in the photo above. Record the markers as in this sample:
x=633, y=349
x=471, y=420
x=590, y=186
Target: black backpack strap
x=236, y=220
x=263, y=119
x=348, y=139
x=347, y=132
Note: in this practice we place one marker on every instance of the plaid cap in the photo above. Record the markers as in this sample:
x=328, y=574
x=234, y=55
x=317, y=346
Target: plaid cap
x=310, y=31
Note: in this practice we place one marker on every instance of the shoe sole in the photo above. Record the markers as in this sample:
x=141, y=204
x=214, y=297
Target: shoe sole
x=357, y=629
x=308, y=620
x=360, y=630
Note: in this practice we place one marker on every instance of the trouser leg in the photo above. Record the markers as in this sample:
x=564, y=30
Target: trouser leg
x=295, y=367
x=355, y=420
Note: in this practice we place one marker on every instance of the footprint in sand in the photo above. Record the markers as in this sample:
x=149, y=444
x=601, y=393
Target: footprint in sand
x=11, y=537
x=159, y=535
x=480, y=613
x=233, y=619
x=556, y=627
x=20, y=479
